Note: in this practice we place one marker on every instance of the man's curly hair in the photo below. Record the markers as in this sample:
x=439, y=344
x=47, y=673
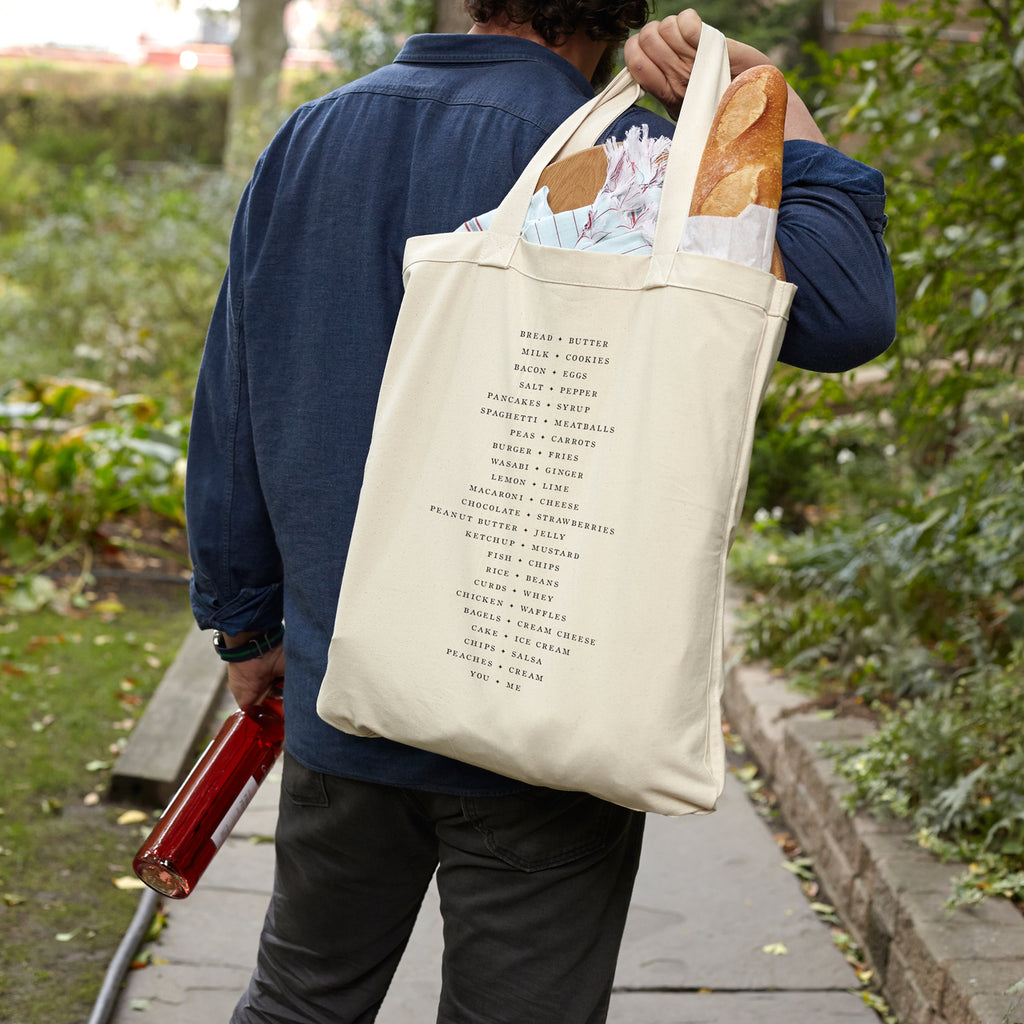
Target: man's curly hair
x=556, y=20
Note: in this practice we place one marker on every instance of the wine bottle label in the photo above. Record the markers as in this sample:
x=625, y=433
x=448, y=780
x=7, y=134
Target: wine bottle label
x=230, y=819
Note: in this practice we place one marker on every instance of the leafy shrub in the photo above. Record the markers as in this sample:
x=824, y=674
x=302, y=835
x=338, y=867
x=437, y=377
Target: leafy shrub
x=111, y=276
x=815, y=450
x=913, y=596
x=26, y=186
x=73, y=456
x=952, y=764
x=182, y=122
x=941, y=113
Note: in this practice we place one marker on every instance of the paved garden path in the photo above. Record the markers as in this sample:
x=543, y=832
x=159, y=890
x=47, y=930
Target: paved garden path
x=719, y=932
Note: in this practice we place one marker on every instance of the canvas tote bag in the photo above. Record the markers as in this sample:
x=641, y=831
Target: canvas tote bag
x=536, y=578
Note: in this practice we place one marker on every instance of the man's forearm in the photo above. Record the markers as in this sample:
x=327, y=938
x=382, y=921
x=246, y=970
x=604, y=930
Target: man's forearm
x=799, y=122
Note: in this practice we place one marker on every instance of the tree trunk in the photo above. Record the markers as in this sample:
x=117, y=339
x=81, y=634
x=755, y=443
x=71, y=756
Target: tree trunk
x=450, y=16
x=258, y=50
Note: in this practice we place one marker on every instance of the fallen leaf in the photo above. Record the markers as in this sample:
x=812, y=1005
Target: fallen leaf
x=128, y=882
x=109, y=606
x=775, y=949
x=12, y=899
x=156, y=926
x=139, y=1004
x=66, y=936
x=132, y=817
x=38, y=642
x=91, y=799
x=97, y=766
x=802, y=867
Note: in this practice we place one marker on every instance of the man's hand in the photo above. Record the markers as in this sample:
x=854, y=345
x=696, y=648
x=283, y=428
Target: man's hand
x=249, y=681
x=660, y=58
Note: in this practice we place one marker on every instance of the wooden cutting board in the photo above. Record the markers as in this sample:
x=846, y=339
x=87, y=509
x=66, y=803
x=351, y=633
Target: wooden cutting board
x=575, y=180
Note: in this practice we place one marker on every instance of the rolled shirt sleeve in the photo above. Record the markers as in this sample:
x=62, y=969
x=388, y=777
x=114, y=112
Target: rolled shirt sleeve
x=831, y=224
x=237, y=574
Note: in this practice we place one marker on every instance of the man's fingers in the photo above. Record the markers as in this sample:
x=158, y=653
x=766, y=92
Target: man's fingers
x=680, y=34
x=689, y=25
x=641, y=58
x=660, y=57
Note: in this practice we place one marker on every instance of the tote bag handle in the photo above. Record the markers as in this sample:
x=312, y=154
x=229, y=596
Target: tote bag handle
x=708, y=81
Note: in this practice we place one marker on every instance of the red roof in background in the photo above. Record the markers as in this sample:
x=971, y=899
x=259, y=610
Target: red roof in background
x=208, y=56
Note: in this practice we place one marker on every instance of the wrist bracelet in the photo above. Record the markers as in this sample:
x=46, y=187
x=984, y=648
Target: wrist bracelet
x=254, y=648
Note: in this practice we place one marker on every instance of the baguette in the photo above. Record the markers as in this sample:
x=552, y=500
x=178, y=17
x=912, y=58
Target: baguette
x=742, y=161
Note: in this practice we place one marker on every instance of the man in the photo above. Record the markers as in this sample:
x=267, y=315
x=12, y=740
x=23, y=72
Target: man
x=534, y=884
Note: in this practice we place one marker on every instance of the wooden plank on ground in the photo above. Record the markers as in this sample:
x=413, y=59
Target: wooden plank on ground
x=163, y=745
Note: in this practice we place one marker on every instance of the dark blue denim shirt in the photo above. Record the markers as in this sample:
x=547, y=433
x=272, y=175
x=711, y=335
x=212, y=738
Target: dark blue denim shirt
x=300, y=334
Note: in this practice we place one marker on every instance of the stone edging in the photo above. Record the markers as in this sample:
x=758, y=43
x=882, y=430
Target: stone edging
x=933, y=968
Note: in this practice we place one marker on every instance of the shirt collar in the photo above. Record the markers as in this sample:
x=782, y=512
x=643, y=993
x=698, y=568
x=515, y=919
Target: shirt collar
x=450, y=48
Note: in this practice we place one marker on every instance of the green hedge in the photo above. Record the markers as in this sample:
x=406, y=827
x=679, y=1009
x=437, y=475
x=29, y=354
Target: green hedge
x=176, y=123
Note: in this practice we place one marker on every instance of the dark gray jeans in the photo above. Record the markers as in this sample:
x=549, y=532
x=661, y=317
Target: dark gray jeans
x=534, y=891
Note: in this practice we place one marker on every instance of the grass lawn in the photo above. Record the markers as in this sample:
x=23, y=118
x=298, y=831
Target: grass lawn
x=70, y=691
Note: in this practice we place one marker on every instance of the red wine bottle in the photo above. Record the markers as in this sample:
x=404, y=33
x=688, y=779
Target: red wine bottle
x=210, y=801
